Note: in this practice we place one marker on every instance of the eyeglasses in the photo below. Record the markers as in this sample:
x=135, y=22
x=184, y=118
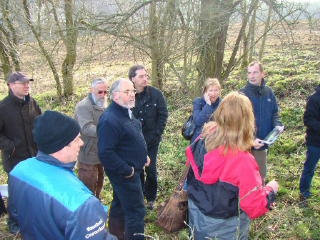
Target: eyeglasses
x=142, y=76
x=100, y=92
x=127, y=92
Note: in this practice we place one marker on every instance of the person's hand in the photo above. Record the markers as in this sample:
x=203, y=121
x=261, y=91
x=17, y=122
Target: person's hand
x=274, y=185
x=148, y=162
x=258, y=143
x=207, y=98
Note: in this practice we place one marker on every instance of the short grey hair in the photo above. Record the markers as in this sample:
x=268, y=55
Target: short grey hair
x=115, y=87
x=97, y=81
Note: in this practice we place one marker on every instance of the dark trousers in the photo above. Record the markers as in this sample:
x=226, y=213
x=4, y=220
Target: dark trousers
x=92, y=176
x=149, y=178
x=310, y=165
x=127, y=210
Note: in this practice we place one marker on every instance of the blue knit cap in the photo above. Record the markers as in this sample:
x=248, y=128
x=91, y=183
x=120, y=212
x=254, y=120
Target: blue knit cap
x=52, y=131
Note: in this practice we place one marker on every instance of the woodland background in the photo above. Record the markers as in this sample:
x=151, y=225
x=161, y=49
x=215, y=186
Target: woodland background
x=63, y=45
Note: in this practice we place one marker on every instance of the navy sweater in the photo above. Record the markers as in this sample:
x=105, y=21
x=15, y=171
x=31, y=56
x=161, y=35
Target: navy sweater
x=121, y=144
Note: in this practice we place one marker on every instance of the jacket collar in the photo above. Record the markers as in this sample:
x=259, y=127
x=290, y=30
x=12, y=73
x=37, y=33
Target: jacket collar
x=17, y=100
x=143, y=96
x=43, y=157
x=257, y=89
x=124, y=111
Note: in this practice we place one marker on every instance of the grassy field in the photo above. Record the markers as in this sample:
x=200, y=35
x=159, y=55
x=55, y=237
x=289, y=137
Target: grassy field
x=293, y=72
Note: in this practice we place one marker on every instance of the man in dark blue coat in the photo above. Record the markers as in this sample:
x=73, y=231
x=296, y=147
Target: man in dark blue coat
x=266, y=112
x=151, y=110
x=123, y=153
x=311, y=120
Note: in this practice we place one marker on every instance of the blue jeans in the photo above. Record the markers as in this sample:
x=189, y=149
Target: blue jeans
x=313, y=155
x=127, y=210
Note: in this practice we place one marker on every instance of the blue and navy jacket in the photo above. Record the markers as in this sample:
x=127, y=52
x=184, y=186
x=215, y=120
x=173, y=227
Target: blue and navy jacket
x=121, y=144
x=49, y=202
x=202, y=113
x=265, y=107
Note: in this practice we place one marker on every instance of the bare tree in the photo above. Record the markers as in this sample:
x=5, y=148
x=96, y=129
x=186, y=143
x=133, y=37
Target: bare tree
x=67, y=34
x=42, y=47
x=214, y=24
x=8, y=41
x=265, y=32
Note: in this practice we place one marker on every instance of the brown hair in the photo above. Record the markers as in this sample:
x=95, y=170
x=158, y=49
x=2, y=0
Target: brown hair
x=234, y=125
x=210, y=82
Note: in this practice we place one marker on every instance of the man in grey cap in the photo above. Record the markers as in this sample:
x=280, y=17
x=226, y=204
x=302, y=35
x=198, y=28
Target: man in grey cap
x=18, y=111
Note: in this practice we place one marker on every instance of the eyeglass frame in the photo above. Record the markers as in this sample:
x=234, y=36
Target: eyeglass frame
x=134, y=91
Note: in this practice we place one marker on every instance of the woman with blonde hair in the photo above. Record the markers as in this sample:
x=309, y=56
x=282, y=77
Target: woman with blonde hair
x=224, y=184
x=203, y=107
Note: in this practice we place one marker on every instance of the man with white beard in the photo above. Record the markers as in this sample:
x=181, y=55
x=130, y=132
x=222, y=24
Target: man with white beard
x=87, y=113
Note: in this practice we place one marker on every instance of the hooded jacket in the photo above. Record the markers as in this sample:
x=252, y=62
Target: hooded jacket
x=16, y=123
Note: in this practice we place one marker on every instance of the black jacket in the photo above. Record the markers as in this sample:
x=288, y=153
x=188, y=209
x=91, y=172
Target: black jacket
x=151, y=111
x=311, y=119
x=16, y=123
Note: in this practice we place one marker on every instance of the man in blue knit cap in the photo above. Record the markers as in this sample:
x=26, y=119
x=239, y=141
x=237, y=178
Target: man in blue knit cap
x=48, y=200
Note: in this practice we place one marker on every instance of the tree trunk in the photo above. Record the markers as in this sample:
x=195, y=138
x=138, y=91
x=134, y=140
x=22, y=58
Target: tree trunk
x=10, y=36
x=71, y=44
x=265, y=32
x=232, y=60
x=5, y=60
x=214, y=24
x=252, y=33
x=245, y=41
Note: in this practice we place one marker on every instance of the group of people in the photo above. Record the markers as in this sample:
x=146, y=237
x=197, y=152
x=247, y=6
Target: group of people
x=227, y=157
x=47, y=200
